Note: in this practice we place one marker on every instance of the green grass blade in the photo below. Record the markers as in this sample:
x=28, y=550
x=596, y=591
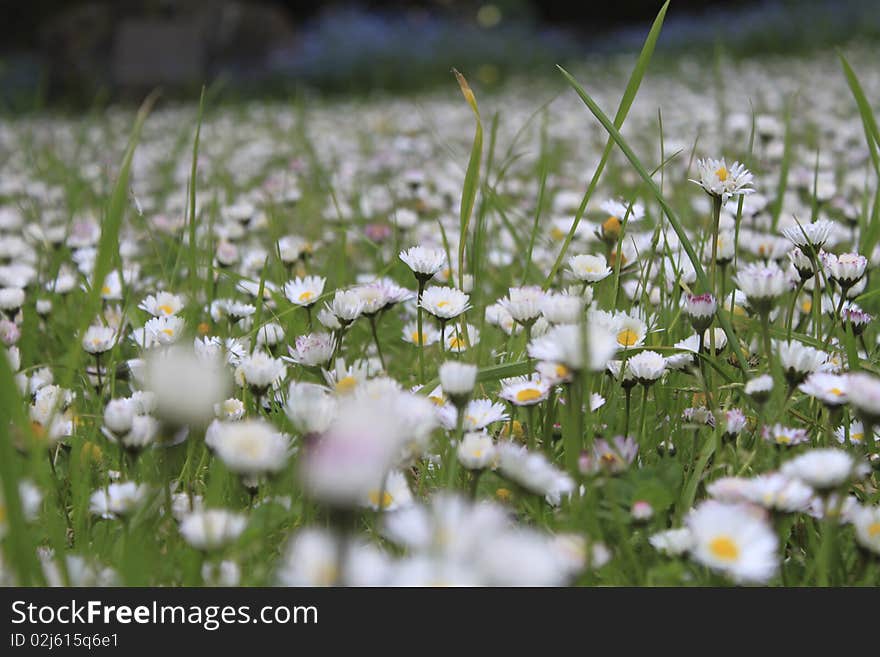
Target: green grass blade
x=674, y=221
x=870, y=229
x=193, y=246
x=19, y=548
x=108, y=244
x=471, y=177
x=782, y=185
x=626, y=102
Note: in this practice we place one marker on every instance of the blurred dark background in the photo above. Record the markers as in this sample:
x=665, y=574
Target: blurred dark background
x=74, y=51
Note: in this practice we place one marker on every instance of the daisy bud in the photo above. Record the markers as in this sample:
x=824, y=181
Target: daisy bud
x=864, y=394
x=11, y=300
x=809, y=237
x=726, y=246
x=846, y=270
x=759, y=388
x=458, y=380
x=611, y=230
x=9, y=332
x=802, y=264
x=798, y=360
x=720, y=339
x=144, y=430
x=642, y=511
x=646, y=367
x=856, y=319
x=700, y=308
x=119, y=415
x=666, y=448
x=762, y=285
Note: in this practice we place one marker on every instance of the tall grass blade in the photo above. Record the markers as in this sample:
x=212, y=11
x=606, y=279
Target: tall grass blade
x=626, y=102
x=674, y=221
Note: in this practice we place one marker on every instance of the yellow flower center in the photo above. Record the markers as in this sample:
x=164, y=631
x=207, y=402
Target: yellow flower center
x=477, y=453
x=856, y=437
x=874, y=530
x=517, y=429
x=806, y=306
x=169, y=332
x=442, y=304
x=437, y=401
x=722, y=174
x=346, y=384
x=627, y=337
x=456, y=343
x=836, y=391
x=416, y=338
x=105, y=289
x=387, y=499
x=503, y=494
x=166, y=309
x=327, y=575
x=782, y=439
x=556, y=234
x=611, y=226
x=203, y=328
x=528, y=394
x=562, y=371
x=306, y=296
x=90, y=453
x=724, y=548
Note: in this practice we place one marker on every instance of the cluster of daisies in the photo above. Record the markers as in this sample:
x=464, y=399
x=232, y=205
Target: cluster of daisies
x=318, y=374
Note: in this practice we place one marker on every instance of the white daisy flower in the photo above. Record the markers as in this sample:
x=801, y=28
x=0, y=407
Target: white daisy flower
x=734, y=540
x=117, y=499
x=444, y=303
x=476, y=450
x=825, y=469
x=251, y=447
x=304, y=291
x=98, y=339
x=809, y=236
x=423, y=261
x=212, y=529
x=162, y=304
x=589, y=268
x=719, y=180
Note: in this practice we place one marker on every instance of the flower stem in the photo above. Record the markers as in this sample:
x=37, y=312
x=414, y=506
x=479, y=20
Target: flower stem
x=376, y=340
x=451, y=457
x=421, y=334
x=716, y=218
